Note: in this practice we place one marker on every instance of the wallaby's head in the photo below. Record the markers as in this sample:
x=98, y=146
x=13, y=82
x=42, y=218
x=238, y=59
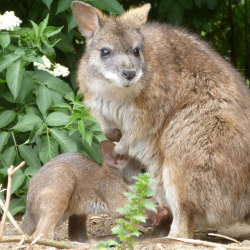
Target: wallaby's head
x=127, y=167
x=114, y=46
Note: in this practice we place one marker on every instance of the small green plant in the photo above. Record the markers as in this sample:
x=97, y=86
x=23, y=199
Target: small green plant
x=134, y=213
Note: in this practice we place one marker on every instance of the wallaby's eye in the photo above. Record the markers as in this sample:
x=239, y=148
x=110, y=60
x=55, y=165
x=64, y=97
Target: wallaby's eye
x=137, y=52
x=105, y=52
x=143, y=171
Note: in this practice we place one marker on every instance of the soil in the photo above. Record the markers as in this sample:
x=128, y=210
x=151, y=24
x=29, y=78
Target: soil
x=99, y=228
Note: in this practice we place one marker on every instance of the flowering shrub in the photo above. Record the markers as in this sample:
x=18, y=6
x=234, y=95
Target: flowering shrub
x=41, y=115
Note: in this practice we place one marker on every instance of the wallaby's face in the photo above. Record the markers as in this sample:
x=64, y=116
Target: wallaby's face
x=116, y=54
x=114, y=49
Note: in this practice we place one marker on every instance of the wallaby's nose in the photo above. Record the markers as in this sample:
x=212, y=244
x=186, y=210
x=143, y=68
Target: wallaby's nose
x=128, y=74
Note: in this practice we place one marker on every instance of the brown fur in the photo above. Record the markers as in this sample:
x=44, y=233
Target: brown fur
x=73, y=185
x=187, y=116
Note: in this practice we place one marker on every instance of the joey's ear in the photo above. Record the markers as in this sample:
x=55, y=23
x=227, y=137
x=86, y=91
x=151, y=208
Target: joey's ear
x=86, y=17
x=138, y=16
x=107, y=148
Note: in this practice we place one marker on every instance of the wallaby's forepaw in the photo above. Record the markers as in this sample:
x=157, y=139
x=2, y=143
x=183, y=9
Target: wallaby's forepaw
x=113, y=134
x=120, y=151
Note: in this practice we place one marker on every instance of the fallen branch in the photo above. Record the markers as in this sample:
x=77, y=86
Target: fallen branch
x=208, y=244
x=7, y=202
x=223, y=236
x=12, y=220
x=41, y=241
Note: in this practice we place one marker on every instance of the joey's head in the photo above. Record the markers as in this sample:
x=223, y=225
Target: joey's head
x=118, y=177
x=114, y=46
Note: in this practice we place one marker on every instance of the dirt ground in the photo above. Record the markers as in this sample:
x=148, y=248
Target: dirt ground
x=99, y=226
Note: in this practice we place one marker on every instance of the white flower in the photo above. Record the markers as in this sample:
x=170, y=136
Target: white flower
x=47, y=62
x=59, y=70
x=8, y=21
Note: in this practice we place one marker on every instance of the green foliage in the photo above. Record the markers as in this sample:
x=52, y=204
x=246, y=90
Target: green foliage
x=42, y=115
x=134, y=213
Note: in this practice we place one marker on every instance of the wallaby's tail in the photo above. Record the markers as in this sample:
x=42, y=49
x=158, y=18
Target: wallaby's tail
x=29, y=225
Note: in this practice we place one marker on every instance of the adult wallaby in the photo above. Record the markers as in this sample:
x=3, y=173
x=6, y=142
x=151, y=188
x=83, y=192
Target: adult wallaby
x=182, y=110
x=72, y=186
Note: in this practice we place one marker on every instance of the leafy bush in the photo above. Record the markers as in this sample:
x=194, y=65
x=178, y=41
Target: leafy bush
x=41, y=115
x=134, y=213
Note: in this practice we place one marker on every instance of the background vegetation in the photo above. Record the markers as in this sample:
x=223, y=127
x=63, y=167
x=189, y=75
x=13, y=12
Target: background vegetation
x=42, y=115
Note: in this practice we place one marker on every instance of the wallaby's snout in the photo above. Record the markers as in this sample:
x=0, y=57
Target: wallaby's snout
x=129, y=75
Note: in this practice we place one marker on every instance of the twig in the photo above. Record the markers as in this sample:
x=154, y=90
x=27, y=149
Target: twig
x=7, y=202
x=42, y=241
x=208, y=244
x=225, y=237
x=12, y=220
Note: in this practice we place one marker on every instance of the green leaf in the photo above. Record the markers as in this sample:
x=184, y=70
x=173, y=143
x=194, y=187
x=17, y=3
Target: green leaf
x=26, y=122
x=71, y=21
x=9, y=156
x=108, y=5
x=7, y=117
x=4, y=137
x=48, y=3
x=54, y=83
x=32, y=56
x=48, y=149
x=211, y=4
x=118, y=229
x=81, y=128
x=150, y=205
x=16, y=203
x=20, y=31
x=17, y=181
x=4, y=39
x=61, y=106
x=26, y=87
x=30, y=156
x=176, y=13
x=70, y=96
x=35, y=29
x=37, y=130
x=7, y=60
x=14, y=77
x=140, y=218
x=57, y=119
x=49, y=43
x=63, y=5
x=186, y=4
x=89, y=136
x=43, y=25
x=62, y=137
x=51, y=31
x=43, y=99
x=164, y=6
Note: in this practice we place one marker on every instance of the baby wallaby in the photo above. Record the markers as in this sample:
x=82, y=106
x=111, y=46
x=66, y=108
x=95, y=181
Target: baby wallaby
x=72, y=186
x=181, y=108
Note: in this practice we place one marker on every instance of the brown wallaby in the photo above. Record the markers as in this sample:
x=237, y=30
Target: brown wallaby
x=181, y=108
x=72, y=186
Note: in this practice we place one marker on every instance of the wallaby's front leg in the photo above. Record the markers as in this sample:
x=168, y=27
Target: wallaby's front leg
x=112, y=134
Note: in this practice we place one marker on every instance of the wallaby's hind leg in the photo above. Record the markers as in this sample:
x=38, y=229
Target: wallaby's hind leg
x=77, y=230
x=29, y=224
x=50, y=214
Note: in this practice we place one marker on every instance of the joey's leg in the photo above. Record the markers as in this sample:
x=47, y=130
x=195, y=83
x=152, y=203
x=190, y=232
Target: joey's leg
x=112, y=134
x=182, y=225
x=77, y=230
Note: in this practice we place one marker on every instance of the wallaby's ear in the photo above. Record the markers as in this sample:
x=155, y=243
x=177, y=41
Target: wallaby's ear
x=107, y=148
x=86, y=17
x=138, y=16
